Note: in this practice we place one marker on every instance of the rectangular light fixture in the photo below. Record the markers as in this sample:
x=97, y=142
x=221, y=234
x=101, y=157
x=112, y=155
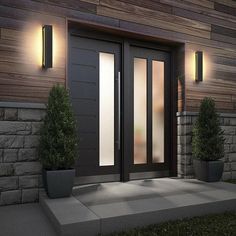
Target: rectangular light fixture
x=47, y=46
x=198, y=66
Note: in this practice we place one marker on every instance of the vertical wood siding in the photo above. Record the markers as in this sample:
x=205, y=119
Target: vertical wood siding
x=205, y=25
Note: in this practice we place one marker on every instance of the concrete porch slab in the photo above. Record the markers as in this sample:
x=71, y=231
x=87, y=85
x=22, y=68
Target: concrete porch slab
x=109, y=207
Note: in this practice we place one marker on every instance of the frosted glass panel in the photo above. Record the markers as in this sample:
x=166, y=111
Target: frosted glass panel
x=140, y=106
x=157, y=111
x=106, y=109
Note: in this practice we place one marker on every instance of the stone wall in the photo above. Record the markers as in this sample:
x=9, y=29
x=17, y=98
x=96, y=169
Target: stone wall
x=185, y=121
x=20, y=170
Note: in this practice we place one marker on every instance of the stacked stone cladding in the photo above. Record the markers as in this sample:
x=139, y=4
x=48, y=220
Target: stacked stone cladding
x=20, y=169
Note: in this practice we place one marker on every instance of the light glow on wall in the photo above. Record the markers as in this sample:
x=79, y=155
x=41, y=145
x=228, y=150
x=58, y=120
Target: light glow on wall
x=190, y=66
x=32, y=44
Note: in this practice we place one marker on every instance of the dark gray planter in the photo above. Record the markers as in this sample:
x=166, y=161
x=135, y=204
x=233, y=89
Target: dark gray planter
x=58, y=183
x=208, y=171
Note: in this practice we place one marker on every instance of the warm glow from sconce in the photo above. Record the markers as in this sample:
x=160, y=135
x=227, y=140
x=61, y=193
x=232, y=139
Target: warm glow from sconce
x=32, y=45
x=190, y=67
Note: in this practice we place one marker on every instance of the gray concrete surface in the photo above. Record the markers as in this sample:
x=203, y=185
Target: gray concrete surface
x=108, y=207
x=24, y=220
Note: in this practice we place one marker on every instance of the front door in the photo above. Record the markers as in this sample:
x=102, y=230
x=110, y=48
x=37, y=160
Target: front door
x=94, y=83
x=123, y=114
x=150, y=76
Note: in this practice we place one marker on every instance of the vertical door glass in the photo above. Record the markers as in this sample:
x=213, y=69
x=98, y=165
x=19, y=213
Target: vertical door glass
x=157, y=111
x=140, y=107
x=106, y=109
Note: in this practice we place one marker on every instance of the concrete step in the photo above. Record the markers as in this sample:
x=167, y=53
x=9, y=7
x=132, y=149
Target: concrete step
x=110, y=207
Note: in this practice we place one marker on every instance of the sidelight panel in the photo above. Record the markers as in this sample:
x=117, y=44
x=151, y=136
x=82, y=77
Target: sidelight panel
x=140, y=111
x=157, y=111
x=106, y=109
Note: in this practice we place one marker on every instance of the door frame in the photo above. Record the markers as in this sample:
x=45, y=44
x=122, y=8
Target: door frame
x=96, y=31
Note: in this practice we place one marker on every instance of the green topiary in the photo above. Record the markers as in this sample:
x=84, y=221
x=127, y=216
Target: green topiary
x=58, y=141
x=208, y=139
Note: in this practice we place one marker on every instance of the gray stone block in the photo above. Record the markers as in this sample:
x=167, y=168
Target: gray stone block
x=232, y=148
x=1, y=155
x=31, y=141
x=31, y=114
x=184, y=120
x=233, y=121
x=6, y=169
x=233, y=166
x=234, y=139
x=226, y=121
x=10, y=155
x=15, y=127
x=36, y=127
x=27, y=168
x=40, y=181
x=228, y=139
x=1, y=113
x=184, y=149
x=11, y=141
x=229, y=130
x=27, y=154
x=233, y=175
x=30, y=181
x=232, y=157
x=30, y=195
x=184, y=129
x=185, y=159
x=227, y=167
x=8, y=183
x=10, y=114
x=226, y=176
x=184, y=139
x=10, y=197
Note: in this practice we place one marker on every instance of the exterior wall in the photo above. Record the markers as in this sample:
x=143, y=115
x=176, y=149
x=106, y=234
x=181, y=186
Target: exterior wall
x=20, y=170
x=185, y=124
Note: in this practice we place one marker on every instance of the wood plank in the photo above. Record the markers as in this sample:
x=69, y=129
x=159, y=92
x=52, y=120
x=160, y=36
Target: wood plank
x=223, y=30
x=134, y=9
x=226, y=9
x=71, y=4
x=96, y=2
x=199, y=9
x=33, y=70
x=150, y=4
x=105, y=11
x=27, y=80
x=230, y=3
x=203, y=3
x=224, y=60
x=203, y=18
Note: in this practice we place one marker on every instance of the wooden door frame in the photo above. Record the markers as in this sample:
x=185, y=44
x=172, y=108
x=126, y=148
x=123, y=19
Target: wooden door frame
x=126, y=39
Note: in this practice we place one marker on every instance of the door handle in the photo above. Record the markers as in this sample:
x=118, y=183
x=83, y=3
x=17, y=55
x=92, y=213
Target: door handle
x=118, y=97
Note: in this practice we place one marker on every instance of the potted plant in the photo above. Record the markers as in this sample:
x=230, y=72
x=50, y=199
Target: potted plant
x=208, y=143
x=58, y=141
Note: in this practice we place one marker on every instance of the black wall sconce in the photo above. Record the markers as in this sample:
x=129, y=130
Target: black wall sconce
x=198, y=66
x=47, y=46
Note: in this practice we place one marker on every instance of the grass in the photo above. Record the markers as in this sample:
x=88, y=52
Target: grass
x=232, y=181
x=211, y=225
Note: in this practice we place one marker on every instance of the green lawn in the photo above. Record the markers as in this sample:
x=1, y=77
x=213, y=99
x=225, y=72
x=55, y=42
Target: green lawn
x=232, y=181
x=210, y=225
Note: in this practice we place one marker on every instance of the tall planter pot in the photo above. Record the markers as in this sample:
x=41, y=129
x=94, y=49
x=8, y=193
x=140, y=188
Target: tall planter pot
x=208, y=171
x=58, y=183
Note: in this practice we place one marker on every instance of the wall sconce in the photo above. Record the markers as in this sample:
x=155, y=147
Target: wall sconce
x=198, y=66
x=47, y=46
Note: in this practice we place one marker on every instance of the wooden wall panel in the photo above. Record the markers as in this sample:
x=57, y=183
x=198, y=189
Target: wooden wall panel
x=207, y=25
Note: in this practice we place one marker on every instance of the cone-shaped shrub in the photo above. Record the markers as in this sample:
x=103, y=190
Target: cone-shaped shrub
x=58, y=141
x=208, y=139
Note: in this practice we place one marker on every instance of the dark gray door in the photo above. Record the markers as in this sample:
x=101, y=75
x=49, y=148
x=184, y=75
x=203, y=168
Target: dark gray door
x=94, y=69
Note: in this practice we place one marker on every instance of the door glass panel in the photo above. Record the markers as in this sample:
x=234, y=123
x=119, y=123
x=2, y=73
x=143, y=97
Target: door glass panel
x=106, y=109
x=140, y=106
x=157, y=111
